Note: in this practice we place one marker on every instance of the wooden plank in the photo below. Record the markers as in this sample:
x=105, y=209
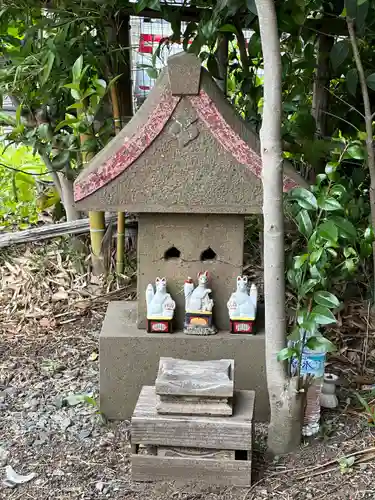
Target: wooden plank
x=230, y=433
x=166, y=452
x=180, y=377
x=181, y=406
x=49, y=231
x=192, y=470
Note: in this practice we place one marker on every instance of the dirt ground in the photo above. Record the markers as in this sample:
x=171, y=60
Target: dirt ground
x=76, y=455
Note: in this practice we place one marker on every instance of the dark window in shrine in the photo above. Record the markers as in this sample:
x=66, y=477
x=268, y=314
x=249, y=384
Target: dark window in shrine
x=208, y=254
x=172, y=253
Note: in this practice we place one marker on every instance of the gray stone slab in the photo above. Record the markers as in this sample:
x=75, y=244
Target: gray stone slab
x=181, y=377
x=129, y=359
x=230, y=433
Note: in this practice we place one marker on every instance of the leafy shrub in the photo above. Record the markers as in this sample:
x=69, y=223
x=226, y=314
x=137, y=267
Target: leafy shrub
x=22, y=187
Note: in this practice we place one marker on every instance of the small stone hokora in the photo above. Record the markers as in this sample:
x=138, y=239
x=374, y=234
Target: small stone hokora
x=198, y=306
x=160, y=307
x=242, y=306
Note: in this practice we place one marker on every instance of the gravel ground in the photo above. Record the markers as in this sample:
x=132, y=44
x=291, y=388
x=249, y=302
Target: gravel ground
x=75, y=454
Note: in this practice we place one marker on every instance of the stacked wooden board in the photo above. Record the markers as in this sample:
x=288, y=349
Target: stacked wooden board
x=193, y=426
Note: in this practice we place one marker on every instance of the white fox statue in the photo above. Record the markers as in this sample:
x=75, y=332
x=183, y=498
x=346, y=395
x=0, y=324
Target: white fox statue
x=160, y=304
x=198, y=299
x=243, y=303
x=198, y=307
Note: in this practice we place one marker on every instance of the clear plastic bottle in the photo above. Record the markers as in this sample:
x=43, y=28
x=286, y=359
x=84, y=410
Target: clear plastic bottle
x=313, y=363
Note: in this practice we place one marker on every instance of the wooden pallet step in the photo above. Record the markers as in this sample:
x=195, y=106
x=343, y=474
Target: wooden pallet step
x=192, y=470
x=222, y=433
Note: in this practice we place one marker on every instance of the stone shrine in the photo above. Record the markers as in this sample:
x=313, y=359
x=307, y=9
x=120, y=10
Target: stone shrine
x=190, y=169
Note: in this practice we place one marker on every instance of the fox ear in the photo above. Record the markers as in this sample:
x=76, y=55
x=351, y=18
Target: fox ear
x=239, y=278
x=245, y=279
x=206, y=274
x=200, y=274
x=163, y=280
x=157, y=280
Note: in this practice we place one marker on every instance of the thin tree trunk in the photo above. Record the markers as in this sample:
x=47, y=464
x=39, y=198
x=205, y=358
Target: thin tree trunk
x=120, y=250
x=222, y=59
x=286, y=410
x=320, y=102
x=321, y=82
x=368, y=122
x=67, y=198
x=97, y=227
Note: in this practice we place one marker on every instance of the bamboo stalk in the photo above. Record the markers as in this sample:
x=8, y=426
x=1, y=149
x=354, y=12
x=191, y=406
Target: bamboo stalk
x=120, y=250
x=97, y=225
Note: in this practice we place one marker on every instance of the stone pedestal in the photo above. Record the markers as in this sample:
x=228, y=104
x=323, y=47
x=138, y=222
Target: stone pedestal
x=212, y=450
x=129, y=359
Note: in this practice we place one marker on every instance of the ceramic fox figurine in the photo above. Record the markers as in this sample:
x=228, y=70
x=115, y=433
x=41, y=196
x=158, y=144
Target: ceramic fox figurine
x=198, y=299
x=159, y=304
x=242, y=303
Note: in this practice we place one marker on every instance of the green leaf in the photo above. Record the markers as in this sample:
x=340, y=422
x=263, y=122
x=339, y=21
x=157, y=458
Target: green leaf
x=326, y=299
x=228, y=28
x=329, y=204
x=299, y=260
x=286, y=353
x=18, y=114
x=351, y=8
x=143, y=4
x=60, y=161
x=152, y=72
x=318, y=342
x=113, y=81
x=352, y=81
x=251, y=5
x=328, y=231
x=346, y=228
x=304, y=223
x=77, y=69
x=356, y=151
x=304, y=198
x=369, y=234
x=315, y=255
x=48, y=67
x=294, y=336
x=74, y=86
x=331, y=167
x=322, y=315
x=370, y=80
x=66, y=123
x=339, y=53
x=307, y=287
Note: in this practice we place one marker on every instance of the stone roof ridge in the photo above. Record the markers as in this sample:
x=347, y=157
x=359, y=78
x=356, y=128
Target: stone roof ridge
x=184, y=71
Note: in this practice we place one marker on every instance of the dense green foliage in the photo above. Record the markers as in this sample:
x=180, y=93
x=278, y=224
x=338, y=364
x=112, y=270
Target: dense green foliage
x=24, y=187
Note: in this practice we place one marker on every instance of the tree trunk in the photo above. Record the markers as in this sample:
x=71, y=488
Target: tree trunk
x=320, y=100
x=285, y=423
x=67, y=198
x=222, y=60
x=369, y=132
x=321, y=82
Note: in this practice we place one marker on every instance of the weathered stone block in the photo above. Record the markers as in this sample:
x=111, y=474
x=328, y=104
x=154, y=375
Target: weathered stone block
x=181, y=377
